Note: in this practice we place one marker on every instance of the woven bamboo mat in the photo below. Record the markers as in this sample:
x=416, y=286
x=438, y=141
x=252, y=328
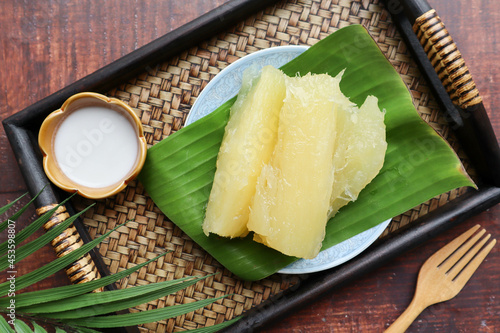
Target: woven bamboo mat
x=162, y=97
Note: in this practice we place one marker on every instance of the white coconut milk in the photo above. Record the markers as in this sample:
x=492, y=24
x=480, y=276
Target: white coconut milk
x=96, y=147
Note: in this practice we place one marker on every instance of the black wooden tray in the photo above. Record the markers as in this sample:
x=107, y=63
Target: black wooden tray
x=22, y=130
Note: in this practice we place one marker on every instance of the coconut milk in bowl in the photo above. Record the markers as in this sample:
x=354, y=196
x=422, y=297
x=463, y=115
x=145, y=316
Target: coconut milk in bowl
x=94, y=145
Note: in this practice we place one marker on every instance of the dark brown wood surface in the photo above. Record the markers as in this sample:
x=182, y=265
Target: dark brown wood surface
x=48, y=45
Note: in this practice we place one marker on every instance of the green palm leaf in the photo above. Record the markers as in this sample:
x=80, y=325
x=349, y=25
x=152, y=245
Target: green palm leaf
x=58, y=330
x=16, y=215
x=4, y=326
x=32, y=227
x=27, y=249
x=59, y=293
x=56, y=265
x=419, y=164
x=77, y=306
x=109, y=301
x=22, y=327
x=138, y=318
x=9, y=205
x=86, y=330
x=37, y=328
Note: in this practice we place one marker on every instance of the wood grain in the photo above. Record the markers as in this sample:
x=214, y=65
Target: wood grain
x=45, y=46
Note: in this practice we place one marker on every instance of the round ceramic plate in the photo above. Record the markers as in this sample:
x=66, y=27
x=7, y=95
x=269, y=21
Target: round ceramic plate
x=225, y=86
x=227, y=83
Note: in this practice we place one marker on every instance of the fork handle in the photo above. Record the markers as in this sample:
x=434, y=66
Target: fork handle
x=407, y=317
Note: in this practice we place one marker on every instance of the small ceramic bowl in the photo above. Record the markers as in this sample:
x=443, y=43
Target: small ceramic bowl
x=93, y=145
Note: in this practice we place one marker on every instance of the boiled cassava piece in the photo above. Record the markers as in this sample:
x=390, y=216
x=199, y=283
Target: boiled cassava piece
x=289, y=210
x=247, y=145
x=359, y=152
x=327, y=151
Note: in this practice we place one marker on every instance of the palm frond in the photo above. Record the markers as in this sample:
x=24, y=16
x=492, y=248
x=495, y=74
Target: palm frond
x=56, y=265
x=109, y=301
x=22, y=327
x=86, y=330
x=4, y=326
x=73, y=307
x=143, y=317
x=32, y=227
x=37, y=328
x=16, y=215
x=58, y=330
x=33, y=246
x=64, y=292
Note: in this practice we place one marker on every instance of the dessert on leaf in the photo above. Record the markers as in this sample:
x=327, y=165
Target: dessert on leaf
x=247, y=145
x=295, y=151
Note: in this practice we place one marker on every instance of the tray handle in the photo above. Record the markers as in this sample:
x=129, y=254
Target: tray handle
x=446, y=59
x=83, y=269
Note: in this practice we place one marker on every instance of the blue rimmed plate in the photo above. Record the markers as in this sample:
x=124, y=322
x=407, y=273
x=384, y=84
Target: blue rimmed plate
x=225, y=86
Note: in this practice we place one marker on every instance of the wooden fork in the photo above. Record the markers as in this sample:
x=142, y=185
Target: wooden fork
x=444, y=274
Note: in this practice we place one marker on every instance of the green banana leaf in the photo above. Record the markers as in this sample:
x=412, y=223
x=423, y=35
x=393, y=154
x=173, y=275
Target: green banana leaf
x=419, y=164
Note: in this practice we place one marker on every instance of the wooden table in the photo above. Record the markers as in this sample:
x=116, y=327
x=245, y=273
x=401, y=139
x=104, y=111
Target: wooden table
x=46, y=46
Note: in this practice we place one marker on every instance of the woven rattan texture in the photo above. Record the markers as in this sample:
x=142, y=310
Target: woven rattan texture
x=162, y=97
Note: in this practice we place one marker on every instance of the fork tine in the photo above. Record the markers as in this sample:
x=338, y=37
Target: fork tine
x=466, y=274
x=462, y=248
x=449, y=248
x=463, y=261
